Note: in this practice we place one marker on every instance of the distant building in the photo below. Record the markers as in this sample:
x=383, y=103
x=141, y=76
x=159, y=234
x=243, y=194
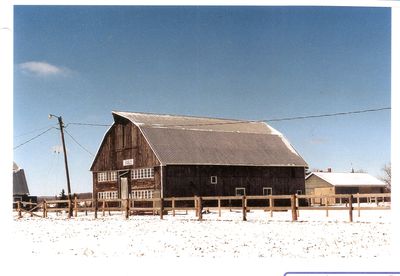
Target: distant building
x=150, y=155
x=20, y=187
x=329, y=183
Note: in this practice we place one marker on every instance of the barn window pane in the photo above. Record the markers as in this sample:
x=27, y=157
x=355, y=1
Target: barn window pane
x=240, y=191
x=267, y=191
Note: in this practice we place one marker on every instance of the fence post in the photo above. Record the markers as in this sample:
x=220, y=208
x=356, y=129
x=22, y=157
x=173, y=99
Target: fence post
x=358, y=204
x=161, y=208
x=173, y=206
x=69, y=208
x=127, y=209
x=44, y=209
x=351, y=208
x=294, y=211
x=244, y=208
x=200, y=208
x=297, y=207
x=75, y=206
x=19, y=209
x=195, y=206
x=219, y=206
x=327, y=206
x=95, y=207
x=271, y=204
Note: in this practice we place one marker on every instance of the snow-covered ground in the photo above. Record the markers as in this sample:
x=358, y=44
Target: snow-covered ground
x=314, y=235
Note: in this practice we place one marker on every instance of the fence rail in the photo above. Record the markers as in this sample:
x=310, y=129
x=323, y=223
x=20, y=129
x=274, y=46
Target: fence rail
x=161, y=206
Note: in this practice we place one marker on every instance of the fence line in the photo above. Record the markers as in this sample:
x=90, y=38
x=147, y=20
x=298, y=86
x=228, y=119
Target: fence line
x=161, y=206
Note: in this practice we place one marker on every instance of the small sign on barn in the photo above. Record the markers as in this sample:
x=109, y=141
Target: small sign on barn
x=127, y=162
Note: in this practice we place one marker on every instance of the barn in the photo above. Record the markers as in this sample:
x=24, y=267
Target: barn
x=146, y=155
x=20, y=186
x=327, y=183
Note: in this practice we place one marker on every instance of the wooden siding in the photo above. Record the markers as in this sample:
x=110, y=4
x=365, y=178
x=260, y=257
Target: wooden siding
x=125, y=141
x=196, y=180
x=315, y=182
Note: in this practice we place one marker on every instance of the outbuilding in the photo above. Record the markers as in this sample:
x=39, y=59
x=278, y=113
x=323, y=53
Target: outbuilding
x=330, y=183
x=146, y=155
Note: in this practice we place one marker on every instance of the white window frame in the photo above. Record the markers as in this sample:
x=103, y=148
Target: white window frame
x=141, y=194
x=107, y=195
x=240, y=189
x=101, y=176
x=113, y=176
x=108, y=176
x=142, y=173
x=214, y=179
x=267, y=189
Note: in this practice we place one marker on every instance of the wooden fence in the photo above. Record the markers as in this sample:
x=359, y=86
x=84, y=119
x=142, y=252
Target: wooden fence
x=163, y=206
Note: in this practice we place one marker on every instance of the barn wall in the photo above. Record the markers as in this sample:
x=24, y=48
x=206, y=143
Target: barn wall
x=315, y=182
x=186, y=180
x=125, y=141
x=361, y=190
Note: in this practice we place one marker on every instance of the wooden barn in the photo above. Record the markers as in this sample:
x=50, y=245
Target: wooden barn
x=149, y=155
x=327, y=183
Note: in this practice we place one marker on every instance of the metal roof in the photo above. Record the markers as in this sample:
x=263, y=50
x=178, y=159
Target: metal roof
x=20, y=187
x=209, y=141
x=349, y=179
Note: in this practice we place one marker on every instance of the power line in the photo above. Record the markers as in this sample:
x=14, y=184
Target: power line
x=33, y=138
x=287, y=118
x=328, y=115
x=259, y=121
x=78, y=143
x=32, y=131
x=88, y=124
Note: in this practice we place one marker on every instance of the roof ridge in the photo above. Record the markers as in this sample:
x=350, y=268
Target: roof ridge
x=190, y=116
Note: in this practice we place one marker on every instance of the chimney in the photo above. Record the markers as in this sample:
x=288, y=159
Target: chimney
x=329, y=170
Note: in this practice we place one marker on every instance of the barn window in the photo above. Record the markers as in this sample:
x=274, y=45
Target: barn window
x=144, y=173
x=214, y=179
x=107, y=176
x=102, y=176
x=113, y=176
x=267, y=191
x=107, y=195
x=141, y=194
x=240, y=191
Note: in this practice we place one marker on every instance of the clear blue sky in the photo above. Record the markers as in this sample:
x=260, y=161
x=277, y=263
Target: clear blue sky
x=232, y=62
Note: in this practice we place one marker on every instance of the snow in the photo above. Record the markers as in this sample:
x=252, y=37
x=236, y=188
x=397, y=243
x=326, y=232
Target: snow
x=313, y=236
x=349, y=179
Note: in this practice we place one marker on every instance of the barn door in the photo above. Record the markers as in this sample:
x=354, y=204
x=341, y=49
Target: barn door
x=124, y=188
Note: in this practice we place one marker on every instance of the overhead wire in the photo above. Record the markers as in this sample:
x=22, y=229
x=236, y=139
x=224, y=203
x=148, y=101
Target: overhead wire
x=230, y=122
x=33, y=138
x=85, y=149
x=34, y=130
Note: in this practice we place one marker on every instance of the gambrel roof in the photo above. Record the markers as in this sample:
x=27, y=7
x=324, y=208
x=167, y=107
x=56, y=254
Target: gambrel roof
x=187, y=140
x=349, y=179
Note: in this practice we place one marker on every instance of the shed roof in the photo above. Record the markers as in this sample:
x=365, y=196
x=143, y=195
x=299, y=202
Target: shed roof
x=348, y=179
x=210, y=141
x=20, y=187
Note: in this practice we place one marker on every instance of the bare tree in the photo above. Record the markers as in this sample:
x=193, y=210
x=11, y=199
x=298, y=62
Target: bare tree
x=387, y=176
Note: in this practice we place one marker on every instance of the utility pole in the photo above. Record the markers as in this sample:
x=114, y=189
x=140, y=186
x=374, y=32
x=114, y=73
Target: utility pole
x=60, y=122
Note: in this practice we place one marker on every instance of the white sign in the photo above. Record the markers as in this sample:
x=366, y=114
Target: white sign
x=127, y=162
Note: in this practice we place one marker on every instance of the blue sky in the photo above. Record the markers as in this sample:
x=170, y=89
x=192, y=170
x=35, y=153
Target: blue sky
x=231, y=62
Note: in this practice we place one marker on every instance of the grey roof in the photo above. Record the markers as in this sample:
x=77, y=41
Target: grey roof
x=209, y=141
x=20, y=187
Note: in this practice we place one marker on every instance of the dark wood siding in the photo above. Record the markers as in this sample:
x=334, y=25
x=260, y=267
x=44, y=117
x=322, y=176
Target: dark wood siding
x=125, y=141
x=186, y=180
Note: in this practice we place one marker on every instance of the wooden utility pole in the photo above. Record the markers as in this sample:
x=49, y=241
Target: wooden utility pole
x=60, y=122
